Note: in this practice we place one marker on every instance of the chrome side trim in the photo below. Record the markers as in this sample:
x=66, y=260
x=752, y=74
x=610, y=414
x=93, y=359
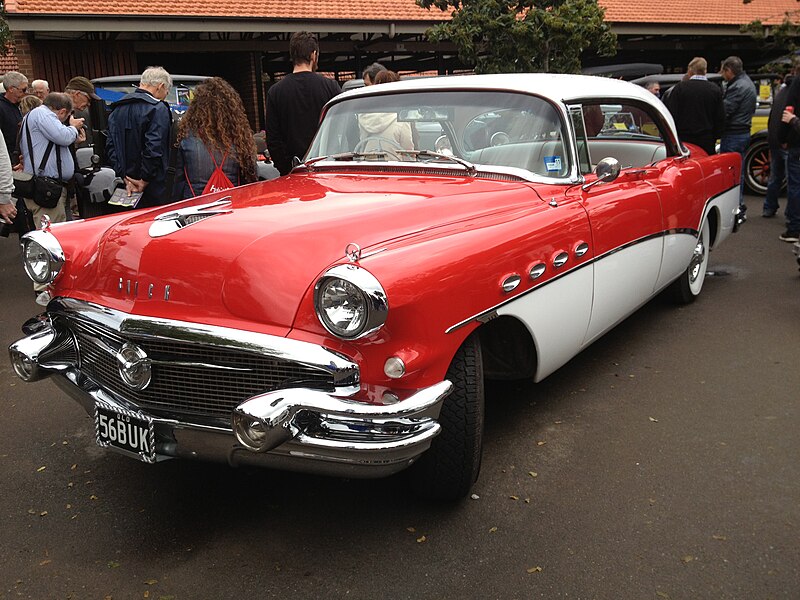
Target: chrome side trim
x=678, y=230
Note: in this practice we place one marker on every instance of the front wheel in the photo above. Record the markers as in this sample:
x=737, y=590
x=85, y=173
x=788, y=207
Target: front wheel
x=447, y=470
x=687, y=287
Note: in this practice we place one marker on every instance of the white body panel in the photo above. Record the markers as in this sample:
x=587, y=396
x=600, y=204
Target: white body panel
x=623, y=281
x=557, y=316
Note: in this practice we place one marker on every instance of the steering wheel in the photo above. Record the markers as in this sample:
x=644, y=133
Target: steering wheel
x=393, y=145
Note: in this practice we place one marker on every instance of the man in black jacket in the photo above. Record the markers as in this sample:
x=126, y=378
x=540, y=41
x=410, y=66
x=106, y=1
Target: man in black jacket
x=138, y=137
x=696, y=105
x=16, y=86
x=294, y=104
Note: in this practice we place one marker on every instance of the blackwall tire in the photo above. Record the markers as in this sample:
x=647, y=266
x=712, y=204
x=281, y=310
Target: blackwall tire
x=447, y=470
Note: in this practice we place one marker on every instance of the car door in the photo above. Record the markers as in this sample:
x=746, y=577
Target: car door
x=625, y=215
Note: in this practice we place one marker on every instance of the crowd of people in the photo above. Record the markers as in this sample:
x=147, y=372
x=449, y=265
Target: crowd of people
x=704, y=113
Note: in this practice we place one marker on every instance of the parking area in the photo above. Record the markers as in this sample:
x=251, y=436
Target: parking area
x=660, y=463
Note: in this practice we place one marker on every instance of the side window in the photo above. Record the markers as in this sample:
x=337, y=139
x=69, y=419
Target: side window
x=625, y=131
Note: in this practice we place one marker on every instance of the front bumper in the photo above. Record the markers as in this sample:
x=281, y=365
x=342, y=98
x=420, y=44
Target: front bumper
x=295, y=428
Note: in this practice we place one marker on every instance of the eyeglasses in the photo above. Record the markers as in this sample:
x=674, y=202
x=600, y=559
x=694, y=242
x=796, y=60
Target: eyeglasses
x=21, y=89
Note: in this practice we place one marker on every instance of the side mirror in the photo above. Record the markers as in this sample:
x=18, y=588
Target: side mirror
x=606, y=170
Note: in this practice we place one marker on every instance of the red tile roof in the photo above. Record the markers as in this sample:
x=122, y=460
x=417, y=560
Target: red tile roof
x=687, y=12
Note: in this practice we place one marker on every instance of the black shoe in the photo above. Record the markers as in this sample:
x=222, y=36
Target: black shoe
x=789, y=236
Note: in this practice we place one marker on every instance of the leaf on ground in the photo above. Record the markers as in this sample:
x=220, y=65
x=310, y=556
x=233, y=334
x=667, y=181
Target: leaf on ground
x=31, y=511
x=688, y=558
x=536, y=569
x=422, y=539
x=74, y=467
x=40, y=469
x=492, y=530
x=45, y=562
x=540, y=443
x=112, y=564
x=662, y=595
x=721, y=538
x=652, y=420
x=93, y=497
x=151, y=582
x=43, y=513
x=474, y=497
x=514, y=497
x=527, y=500
x=533, y=473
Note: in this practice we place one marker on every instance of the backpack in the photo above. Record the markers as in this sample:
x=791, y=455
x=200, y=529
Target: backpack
x=217, y=182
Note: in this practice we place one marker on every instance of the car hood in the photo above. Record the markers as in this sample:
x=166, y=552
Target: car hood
x=256, y=257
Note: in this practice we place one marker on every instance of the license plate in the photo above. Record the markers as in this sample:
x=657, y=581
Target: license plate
x=126, y=431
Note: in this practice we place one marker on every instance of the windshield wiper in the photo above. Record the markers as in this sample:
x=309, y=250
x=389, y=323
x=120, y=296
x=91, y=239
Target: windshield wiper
x=418, y=154
x=343, y=156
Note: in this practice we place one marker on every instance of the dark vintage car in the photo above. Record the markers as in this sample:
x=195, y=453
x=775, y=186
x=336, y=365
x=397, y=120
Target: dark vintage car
x=343, y=319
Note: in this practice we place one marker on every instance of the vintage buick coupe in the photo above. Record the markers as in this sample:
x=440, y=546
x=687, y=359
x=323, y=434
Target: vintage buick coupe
x=342, y=319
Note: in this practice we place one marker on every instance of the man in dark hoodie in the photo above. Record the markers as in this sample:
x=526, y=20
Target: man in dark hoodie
x=138, y=138
x=789, y=138
x=777, y=150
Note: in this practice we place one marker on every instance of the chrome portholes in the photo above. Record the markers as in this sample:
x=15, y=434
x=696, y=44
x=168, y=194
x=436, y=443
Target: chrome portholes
x=581, y=249
x=537, y=270
x=511, y=282
x=560, y=259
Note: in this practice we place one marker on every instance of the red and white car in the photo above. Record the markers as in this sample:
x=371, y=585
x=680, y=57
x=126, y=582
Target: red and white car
x=343, y=319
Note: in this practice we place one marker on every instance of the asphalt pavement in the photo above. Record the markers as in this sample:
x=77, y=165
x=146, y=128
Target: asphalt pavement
x=660, y=463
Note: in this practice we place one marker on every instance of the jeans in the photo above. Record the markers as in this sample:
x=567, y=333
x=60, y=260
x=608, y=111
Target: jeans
x=777, y=173
x=736, y=142
x=793, y=190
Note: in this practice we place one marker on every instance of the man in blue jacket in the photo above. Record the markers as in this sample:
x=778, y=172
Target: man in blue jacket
x=740, y=104
x=138, y=138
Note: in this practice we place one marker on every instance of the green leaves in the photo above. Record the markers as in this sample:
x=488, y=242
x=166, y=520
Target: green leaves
x=500, y=36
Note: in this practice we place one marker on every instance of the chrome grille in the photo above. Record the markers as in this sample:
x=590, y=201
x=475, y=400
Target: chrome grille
x=189, y=378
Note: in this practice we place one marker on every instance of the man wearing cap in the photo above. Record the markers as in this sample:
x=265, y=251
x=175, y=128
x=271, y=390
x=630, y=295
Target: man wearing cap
x=137, y=147
x=81, y=90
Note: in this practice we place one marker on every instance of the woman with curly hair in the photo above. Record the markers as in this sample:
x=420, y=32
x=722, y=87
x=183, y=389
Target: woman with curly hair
x=214, y=132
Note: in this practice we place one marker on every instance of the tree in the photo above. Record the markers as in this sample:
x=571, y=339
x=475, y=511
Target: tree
x=497, y=36
x=782, y=37
x=5, y=33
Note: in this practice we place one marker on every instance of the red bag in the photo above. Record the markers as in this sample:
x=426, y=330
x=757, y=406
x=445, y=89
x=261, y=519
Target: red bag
x=218, y=180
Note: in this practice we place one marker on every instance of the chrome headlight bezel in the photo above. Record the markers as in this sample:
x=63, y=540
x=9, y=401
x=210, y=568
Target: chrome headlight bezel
x=53, y=259
x=370, y=293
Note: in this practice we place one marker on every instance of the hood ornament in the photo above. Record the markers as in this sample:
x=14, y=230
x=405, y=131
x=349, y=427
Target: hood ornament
x=353, y=252
x=170, y=222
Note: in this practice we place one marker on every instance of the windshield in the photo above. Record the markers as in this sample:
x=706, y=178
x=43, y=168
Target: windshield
x=502, y=129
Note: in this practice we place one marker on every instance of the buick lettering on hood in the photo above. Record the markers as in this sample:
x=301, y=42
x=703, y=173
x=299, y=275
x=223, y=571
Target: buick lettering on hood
x=343, y=319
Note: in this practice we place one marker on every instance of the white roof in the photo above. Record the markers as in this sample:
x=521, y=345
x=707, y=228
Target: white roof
x=559, y=88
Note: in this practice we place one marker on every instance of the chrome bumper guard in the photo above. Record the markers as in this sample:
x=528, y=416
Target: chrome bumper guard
x=739, y=217
x=297, y=429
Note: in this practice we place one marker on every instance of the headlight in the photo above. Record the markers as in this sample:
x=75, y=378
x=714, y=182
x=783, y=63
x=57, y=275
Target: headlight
x=350, y=302
x=42, y=256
